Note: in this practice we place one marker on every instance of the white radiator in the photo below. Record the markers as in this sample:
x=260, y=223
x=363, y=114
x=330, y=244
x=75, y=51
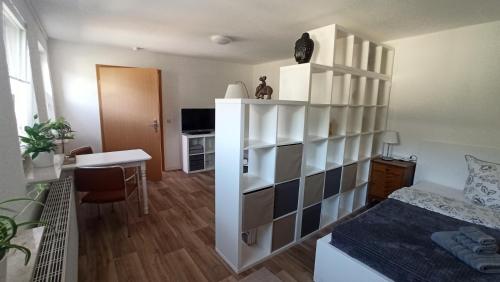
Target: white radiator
x=58, y=256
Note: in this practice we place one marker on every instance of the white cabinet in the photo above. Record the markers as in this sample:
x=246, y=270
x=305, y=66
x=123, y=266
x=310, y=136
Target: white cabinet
x=198, y=152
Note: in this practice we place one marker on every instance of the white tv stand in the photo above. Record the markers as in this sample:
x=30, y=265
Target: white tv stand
x=198, y=152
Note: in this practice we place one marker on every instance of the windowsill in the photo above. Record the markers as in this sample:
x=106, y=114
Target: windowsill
x=43, y=174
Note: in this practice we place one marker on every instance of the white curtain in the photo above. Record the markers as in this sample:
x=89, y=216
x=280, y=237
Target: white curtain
x=17, y=54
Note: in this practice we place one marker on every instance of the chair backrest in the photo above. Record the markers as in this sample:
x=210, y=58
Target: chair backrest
x=81, y=151
x=99, y=179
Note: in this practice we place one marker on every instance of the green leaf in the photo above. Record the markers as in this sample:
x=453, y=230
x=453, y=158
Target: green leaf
x=16, y=200
x=26, y=251
x=6, y=221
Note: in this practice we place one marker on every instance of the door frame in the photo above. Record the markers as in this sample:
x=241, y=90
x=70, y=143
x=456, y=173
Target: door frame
x=160, y=101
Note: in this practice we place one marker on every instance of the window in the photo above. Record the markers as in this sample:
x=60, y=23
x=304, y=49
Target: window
x=47, y=83
x=16, y=49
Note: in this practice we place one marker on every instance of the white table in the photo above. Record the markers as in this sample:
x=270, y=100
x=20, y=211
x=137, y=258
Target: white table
x=129, y=158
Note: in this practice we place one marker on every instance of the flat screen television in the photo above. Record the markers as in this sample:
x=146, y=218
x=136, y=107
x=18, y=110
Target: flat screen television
x=198, y=120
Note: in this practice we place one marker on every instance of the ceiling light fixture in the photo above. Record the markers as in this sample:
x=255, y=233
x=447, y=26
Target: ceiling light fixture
x=137, y=48
x=220, y=39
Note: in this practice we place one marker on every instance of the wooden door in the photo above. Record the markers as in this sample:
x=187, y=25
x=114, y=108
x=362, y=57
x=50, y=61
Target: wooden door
x=130, y=109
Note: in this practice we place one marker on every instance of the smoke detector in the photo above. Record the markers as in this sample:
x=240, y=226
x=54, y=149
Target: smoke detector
x=220, y=39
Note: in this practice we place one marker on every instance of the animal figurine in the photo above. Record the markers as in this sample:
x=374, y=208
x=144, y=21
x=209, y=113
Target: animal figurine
x=263, y=89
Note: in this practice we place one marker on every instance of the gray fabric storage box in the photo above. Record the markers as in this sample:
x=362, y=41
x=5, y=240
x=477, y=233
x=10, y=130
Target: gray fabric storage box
x=258, y=207
x=310, y=219
x=283, y=231
x=349, y=177
x=313, y=190
x=288, y=162
x=332, y=182
x=286, y=197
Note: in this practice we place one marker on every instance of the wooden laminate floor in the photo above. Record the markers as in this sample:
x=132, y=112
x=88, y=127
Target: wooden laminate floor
x=175, y=242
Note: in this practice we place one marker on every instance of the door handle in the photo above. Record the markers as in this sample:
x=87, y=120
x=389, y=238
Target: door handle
x=155, y=125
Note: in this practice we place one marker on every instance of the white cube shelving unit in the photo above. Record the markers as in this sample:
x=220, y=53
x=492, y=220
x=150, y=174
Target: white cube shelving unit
x=307, y=155
x=198, y=152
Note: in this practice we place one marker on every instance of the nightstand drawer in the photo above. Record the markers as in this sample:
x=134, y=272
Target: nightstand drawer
x=389, y=176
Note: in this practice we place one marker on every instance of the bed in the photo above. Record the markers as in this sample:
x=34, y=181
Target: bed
x=403, y=225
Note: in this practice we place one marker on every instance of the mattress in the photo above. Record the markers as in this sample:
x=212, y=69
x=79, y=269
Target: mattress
x=393, y=238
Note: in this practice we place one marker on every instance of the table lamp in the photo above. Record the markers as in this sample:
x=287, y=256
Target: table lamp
x=390, y=138
x=237, y=90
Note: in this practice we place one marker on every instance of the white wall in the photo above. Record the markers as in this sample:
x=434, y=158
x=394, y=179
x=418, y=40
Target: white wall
x=272, y=71
x=446, y=88
x=186, y=82
x=12, y=179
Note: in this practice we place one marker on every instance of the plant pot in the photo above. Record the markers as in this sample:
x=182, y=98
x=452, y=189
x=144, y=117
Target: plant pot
x=44, y=159
x=3, y=268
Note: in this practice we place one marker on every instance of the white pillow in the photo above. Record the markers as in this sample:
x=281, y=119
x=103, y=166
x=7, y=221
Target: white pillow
x=483, y=186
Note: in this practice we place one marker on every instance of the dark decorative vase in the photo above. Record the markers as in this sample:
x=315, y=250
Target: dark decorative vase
x=304, y=48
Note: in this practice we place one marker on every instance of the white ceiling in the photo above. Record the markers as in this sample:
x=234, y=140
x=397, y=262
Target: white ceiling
x=263, y=30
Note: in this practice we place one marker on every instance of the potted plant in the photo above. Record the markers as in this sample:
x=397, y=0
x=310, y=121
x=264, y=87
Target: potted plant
x=63, y=131
x=9, y=227
x=39, y=143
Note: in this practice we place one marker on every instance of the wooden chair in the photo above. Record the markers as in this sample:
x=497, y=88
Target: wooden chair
x=99, y=185
x=81, y=151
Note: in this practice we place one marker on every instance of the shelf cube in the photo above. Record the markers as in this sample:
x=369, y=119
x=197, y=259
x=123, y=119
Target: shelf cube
x=371, y=92
x=286, y=197
x=291, y=120
x=260, y=125
x=258, y=207
x=329, y=211
x=261, y=165
x=354, y=120
x=351, y=149
x=318, y=121
x=360, y=53
x=341, y=88
x=374, y=57
x=313, y=189
x=359, y=197
x=209, y=160
x=288, y=162
x=310, y=219
x=346, y=203
x=209, y=144
x=262, y=248
x=384, y=89
x=321, y=86
x=365, y=146
x=357, y=91
x=283, y=231
x=349, y=174
x=295, y=82
x=338, y=121
x=368, y=124
x=363, y=172
x=332, y=182
x=343, y=48
x=335, y=154
x=316, y=156
x=324, y=42
x=387, y=61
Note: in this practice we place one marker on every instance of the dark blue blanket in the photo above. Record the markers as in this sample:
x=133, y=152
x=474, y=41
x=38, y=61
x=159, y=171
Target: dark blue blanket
x=394, y=238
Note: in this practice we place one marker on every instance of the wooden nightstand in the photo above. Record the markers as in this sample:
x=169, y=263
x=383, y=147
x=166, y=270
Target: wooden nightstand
x=388, y=176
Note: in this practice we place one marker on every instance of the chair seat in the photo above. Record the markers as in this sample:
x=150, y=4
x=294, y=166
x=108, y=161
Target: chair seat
x=108, y=196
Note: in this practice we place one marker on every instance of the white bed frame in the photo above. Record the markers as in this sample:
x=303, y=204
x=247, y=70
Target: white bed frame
x=438, y=162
